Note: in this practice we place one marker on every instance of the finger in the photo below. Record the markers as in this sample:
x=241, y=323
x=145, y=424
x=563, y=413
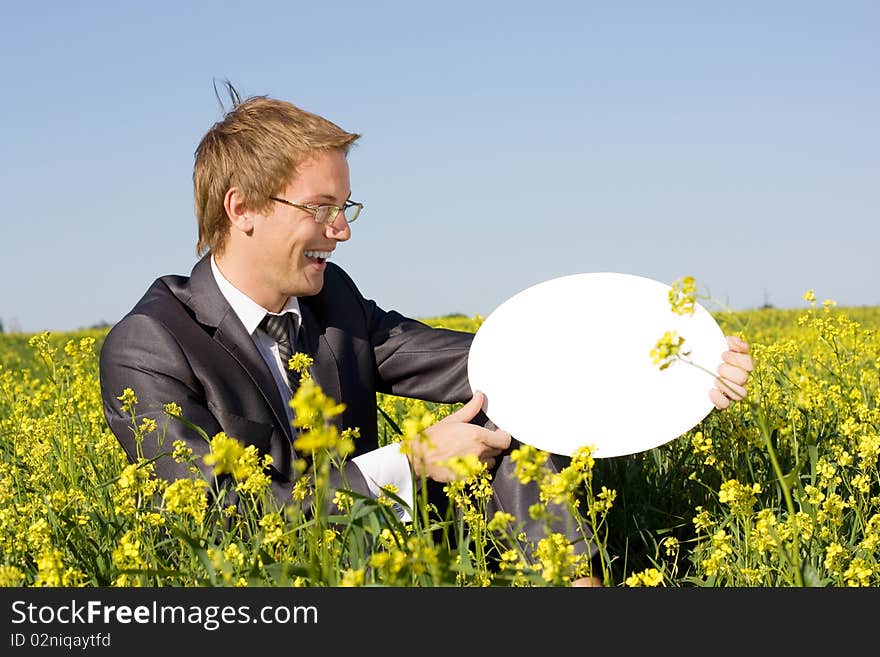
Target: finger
x=490, y=463
x=737, y=344
x=498, y=439
x=721, y=402
x=469, y=411
x=740, y=360
x=734, y=374
x=730, y=389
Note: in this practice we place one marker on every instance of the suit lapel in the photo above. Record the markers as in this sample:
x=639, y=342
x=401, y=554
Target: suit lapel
x=311, y=340
x=232, y=335
x=213, y=310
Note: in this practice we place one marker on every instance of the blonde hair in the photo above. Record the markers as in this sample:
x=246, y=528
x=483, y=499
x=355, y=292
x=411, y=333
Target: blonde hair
x=257, y=147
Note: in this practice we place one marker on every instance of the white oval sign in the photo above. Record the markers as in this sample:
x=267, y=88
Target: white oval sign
x=567, y=363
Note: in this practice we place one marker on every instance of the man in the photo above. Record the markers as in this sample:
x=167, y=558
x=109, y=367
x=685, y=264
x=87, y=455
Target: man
x=272, y=195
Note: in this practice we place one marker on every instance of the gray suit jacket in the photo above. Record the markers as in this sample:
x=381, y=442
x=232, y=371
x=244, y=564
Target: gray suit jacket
x=183, y=343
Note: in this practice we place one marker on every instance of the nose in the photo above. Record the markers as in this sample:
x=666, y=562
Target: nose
x=338, y=229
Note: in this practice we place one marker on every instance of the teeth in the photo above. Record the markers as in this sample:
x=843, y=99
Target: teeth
x=319, y=254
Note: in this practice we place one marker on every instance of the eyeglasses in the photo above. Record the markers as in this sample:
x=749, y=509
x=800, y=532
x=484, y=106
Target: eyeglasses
x=326, y=214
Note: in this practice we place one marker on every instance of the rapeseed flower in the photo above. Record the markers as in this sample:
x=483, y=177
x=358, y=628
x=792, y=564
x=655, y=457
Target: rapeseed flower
x=529, y=463
x=556, y=559
x=671, y=546
x=668, y=349
x=352, y=577
x=129, y=400
x=703, y=447
x=648, y=577
x=500, y=521
x=835, y=558
x=300, y=363
x=858, y=573
x=603, y=502
x=682, y=295
x=10, y=576
x=225, y=455
x=273, y=528
x=722, y=550
x=186, y=497
x=173, y=409
x=741, y=498
x=702, y=520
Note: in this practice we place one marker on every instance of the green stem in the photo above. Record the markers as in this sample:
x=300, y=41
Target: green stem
x=786, y=492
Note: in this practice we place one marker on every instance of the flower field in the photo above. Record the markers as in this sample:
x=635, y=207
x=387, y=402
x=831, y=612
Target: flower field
x=781, y=489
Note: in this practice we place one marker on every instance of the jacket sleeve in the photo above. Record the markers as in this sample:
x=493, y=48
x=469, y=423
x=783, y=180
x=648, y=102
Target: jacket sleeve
x=412, y=359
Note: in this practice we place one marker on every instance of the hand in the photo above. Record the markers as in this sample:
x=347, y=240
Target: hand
x=453, y=436
x=733, y=373
x=592, y=581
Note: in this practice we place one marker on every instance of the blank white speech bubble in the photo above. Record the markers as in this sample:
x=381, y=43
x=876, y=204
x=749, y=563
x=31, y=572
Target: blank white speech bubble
x=566, y=363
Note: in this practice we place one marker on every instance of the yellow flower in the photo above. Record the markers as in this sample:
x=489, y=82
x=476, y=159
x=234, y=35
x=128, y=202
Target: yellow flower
x=300, y=363
x=342, y=500
x=741, y=498
x=312, y=407
x=50, y=565
x=557, y=559
x=869, y=449
x=529, y=463
x=302, y=488
x=225, y=455
x=703, y=521
x=648, y=577
x=352, y=577
x=500, y=521
x=766, y=531
x=582, y=460
x=147, y=425
x=722, y=550
x=703, y=446
x=187, y=497
x=273, y=528
x=603, y=502
x=386, y=499
x=182, y=453
x=682, y=295
x=128, y=399
x=173, y=410
x=668, y=349
x=413, y=439
x=861, y=483
x=814, y=495
x=464, y=467
x=834, y=556
x=858, y=573
x=10, y=576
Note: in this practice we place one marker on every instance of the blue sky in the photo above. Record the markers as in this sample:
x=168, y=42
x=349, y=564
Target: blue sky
x=504, y=144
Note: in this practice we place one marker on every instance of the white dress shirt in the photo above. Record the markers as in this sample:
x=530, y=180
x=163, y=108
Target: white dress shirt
x=382, y=466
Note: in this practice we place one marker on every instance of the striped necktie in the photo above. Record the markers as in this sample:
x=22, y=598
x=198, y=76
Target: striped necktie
x=280, y=328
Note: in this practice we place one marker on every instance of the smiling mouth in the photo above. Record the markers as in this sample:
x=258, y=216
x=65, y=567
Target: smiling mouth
x=320, y=256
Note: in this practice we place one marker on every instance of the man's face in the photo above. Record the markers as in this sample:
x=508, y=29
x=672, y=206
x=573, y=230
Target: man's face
x=291, y=248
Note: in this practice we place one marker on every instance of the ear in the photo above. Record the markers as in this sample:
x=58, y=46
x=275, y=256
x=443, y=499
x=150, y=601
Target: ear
x=240, y=217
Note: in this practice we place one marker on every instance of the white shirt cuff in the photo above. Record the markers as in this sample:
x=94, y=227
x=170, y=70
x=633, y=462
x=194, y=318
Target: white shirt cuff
x=387, y=465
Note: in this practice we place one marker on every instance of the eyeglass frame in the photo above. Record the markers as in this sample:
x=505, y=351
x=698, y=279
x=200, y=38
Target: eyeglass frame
x=333, y=211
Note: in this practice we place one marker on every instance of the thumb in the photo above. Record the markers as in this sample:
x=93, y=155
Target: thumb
x=467, y=412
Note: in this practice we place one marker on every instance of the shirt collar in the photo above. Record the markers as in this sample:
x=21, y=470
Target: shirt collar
x=249, y=311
